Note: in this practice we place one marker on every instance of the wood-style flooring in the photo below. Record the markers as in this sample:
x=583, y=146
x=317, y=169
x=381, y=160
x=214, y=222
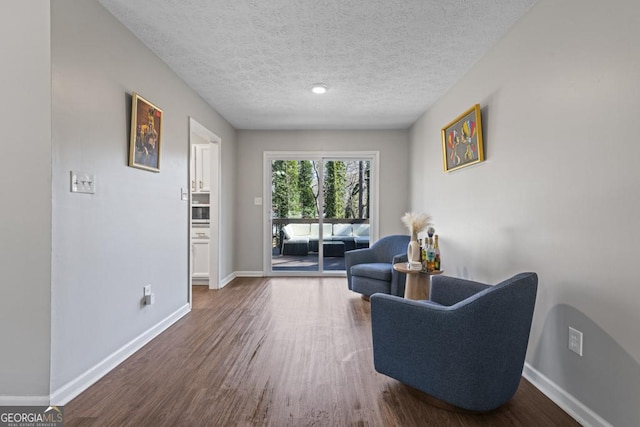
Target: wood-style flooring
x=275, y=352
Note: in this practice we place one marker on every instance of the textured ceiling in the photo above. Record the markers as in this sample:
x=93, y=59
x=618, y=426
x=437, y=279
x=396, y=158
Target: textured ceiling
x=385, y=61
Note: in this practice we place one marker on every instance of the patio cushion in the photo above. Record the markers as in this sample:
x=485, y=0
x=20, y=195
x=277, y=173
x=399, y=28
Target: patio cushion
x=361, y=230
x=314, y=231
x=342, y=230
x=292, y=231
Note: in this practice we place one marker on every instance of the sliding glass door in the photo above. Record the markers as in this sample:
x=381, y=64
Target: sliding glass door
x=320, y=208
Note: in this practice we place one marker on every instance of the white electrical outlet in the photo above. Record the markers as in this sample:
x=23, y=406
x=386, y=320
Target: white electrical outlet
x=575, y=341
x=147, y=290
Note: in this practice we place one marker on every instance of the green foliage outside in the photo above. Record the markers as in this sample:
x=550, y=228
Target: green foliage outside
x=295, y=189
x=334, y=190
x=286, y=198
x=308, y=202
x=357, y=190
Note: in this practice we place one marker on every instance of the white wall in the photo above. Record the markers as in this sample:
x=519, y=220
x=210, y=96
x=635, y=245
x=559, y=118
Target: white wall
x=134, y=230
x=558, y=194
x=393, y=146
x=25, y=216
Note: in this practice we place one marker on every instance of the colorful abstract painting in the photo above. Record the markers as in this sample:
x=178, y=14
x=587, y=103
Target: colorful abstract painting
x=462, y=140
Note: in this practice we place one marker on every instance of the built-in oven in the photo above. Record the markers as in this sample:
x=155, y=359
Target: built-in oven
x=200, y=214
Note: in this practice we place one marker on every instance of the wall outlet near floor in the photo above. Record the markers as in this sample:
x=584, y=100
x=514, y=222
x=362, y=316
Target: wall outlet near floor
x=575, y=341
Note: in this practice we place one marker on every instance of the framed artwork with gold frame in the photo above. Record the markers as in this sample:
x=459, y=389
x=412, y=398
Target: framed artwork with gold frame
x=146, y=134
x=462, y=140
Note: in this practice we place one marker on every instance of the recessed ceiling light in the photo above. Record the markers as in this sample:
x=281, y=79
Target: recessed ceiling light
x=319, y=88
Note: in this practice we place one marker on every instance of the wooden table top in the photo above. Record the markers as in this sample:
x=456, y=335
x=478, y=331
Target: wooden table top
x=402, y=267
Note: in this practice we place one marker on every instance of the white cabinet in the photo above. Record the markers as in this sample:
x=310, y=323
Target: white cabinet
x=200, y=188
x=200, y=252
x=200, y=259
x=200, y=168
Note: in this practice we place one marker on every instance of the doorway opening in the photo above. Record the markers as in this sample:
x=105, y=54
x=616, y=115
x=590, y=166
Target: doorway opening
x=204, y=206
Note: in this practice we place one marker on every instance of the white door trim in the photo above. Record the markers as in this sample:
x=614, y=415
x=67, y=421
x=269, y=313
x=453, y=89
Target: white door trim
x=215, y=143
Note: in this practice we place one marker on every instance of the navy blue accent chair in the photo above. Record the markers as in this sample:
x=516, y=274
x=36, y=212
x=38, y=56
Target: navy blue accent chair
x=370, y=270
x=465, y=346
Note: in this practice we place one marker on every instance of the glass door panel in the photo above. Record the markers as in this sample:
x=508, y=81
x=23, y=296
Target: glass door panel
x=345, y=209
x=294, y=217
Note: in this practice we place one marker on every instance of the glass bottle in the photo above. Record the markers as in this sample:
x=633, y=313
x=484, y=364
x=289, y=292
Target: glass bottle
x=431, y=256
x=436, y=248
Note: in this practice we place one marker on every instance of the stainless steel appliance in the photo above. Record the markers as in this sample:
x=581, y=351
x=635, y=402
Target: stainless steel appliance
x=200, y=214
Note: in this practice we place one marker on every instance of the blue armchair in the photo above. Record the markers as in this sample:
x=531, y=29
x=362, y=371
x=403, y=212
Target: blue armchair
x=465, y=346
x=371, y=270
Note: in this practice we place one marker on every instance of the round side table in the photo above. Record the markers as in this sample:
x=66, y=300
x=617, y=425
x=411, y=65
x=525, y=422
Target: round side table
x=418, y=282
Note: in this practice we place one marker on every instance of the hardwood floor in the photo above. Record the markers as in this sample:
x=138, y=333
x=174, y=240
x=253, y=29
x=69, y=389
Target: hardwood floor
x=275, y=352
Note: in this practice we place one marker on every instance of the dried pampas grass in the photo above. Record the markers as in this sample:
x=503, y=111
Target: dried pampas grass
x=416, y=222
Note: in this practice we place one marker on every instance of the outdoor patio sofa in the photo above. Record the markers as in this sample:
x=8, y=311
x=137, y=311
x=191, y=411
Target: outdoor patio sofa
x=300, y=239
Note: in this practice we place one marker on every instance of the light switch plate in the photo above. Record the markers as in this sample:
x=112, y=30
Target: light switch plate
x=257, y=201
x=83, y=182
x=184, y=194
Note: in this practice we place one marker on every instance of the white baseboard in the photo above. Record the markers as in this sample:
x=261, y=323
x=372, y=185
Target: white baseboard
x=224, y=282
x=73, y=388
x=249, y=274
x=564, y=400
x=24, y=400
